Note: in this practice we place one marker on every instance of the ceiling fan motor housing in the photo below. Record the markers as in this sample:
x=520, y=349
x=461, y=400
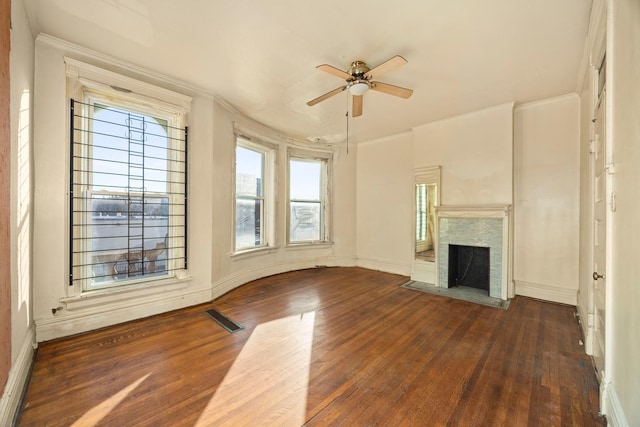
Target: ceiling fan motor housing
x=358, y=70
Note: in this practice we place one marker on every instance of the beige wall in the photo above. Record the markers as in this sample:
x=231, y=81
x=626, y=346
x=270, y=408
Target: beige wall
x=475, y=151
x=623, y=339
x=20, y=207
x=5, y=213
x=546, y=198
x=22, y=204
x=385, y=204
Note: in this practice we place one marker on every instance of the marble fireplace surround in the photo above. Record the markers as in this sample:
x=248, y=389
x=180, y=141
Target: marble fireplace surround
x=484, y=226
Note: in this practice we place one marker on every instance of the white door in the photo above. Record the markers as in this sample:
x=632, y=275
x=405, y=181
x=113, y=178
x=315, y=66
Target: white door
x=599, y=237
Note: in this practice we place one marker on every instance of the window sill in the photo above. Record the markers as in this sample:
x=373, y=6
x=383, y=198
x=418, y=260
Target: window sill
x=247, y=253
x=100, y=296
x=308, y=245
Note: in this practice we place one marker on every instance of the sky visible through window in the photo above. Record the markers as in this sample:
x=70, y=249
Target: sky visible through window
x=120, y=160
x=304, y=180
x=249, y=163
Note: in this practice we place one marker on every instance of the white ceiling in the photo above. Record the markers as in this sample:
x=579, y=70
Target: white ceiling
x=260, y=56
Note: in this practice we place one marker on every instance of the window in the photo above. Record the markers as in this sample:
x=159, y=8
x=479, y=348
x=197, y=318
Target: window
x=308, y=195
x=128, y=191
x=253, y=189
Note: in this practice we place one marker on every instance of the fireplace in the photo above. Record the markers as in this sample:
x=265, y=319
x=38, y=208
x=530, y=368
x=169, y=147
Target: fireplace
x=485, y=229
x=469, y=266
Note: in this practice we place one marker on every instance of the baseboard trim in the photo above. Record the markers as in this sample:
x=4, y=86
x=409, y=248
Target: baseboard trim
x=17, y=381
x=613, y=408
x=586, y=323
x=404, y=269
x=69, y=322
x=547, y=292
x=231, y=282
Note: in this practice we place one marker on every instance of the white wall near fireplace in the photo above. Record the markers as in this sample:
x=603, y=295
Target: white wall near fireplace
x=547, y=199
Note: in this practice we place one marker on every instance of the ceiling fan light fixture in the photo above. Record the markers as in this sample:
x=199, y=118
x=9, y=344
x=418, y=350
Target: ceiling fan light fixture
x=359, y=87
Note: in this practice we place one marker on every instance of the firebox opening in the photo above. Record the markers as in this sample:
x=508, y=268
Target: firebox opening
x=469, y=266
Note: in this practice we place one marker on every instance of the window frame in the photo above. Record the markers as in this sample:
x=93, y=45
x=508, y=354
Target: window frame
x=90, y=85
x=325, y=159
x=267, y=220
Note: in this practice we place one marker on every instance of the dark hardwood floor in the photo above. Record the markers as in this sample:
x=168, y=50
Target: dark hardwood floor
x=333, y=346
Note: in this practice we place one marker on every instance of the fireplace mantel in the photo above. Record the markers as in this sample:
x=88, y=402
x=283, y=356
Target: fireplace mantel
x=485, y=226
x=483, y=211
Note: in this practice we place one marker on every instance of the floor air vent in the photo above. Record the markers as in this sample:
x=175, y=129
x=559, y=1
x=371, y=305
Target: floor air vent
x=224, y=321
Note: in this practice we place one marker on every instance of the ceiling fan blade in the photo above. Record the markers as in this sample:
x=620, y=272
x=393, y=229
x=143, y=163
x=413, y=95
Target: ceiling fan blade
x=326, y=95
x=386, y=66
x=391, y=89
x=357, y=106
x=336, y=72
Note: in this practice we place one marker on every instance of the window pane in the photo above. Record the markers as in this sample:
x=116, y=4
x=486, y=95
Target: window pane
x=128, y=219
x=305, y=221
x=249, y=172
x=248, y=223
x=129, y=151
x=128, y=236
x=305, y=180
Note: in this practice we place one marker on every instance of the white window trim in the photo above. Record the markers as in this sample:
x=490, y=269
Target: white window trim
x=87, y=81
x=327, y=199
x=269, y=194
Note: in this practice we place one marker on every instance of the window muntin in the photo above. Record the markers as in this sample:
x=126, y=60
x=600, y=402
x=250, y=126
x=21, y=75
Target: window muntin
x=128, y=190
x=307, y=200
x=250, y=197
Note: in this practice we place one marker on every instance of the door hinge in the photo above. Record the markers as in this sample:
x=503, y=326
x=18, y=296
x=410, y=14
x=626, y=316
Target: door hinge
x=613, y=201
x=592, y=146
x=611, y=168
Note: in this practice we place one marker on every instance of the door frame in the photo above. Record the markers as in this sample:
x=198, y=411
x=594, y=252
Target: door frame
x=600, y=45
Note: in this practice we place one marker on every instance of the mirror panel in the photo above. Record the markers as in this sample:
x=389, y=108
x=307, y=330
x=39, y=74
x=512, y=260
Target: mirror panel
x=426, y=196
x=427, y=187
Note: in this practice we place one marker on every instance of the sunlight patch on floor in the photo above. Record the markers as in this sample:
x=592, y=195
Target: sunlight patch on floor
x=98, y=412
x=258, y=390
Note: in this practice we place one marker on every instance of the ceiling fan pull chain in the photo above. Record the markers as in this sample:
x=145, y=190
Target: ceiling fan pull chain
x=347, y=131
x=347, y=114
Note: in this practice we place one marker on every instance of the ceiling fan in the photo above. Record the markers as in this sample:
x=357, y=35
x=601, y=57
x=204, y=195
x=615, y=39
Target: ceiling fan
x=359, y=80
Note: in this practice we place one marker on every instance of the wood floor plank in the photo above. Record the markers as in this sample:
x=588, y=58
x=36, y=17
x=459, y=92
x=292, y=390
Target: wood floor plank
x=329, y=346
